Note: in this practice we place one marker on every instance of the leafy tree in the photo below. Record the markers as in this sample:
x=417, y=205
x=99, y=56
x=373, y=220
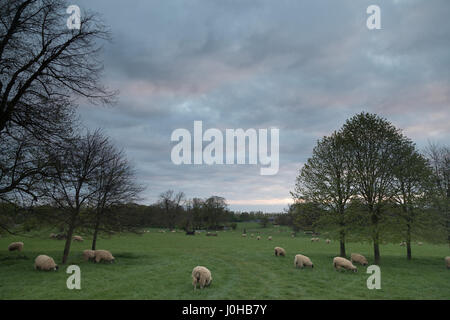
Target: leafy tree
x=305, y=216
x=439, y=157
x=374, y=144
x=328, y=180
x=411, y=181
x=215, y=209
x=264, y=221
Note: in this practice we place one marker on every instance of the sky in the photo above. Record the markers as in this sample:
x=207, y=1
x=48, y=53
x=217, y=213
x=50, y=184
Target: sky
x=303, y=67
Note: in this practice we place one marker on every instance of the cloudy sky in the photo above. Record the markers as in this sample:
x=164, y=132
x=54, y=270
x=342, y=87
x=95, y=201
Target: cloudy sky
x=303, y=67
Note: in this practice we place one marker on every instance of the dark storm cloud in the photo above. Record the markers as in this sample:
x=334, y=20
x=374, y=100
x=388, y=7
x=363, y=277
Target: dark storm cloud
x=301, y=66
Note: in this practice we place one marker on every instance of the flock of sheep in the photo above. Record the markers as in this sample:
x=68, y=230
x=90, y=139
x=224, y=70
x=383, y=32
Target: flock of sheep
x=201, y=275
x=44, y=262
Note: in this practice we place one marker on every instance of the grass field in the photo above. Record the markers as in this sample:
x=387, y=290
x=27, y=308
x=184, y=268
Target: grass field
x=158, y=266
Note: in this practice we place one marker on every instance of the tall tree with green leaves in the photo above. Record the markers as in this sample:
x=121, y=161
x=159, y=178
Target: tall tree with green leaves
x=412, y=177
x=328, y=180
x=439, y=157
x=374, y=144
x=305, y=215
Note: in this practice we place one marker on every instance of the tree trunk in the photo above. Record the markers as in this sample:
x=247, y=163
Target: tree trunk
x=376, y=239
x=376, y=251
x=342, y=245
x=69, y=239
x=94, y=237
x=408, y=242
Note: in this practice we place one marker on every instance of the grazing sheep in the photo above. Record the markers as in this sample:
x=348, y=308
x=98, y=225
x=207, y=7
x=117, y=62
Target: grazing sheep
x=328, y=241
x=252, y=235
x=202, y=276
x=258, y=238
x=15, y=246
x=78, y=238
x=211, y=234
x=402, y=244
x=103, y=255
x=61, y=236
x=244, y=235
x=43, y=262
x=269, y=238
x=301, y=261
x=419, y=243
x=53, y=235
x=356, y=257
x=447, y=262
x=280, y=251
x=339, y=262
x=315, y=239
x=88, y=254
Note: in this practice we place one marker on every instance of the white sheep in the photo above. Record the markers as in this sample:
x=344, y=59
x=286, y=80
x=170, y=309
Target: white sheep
x=202, y=276
x=78, y=238
x=328, y=241
x=258, y=238
x=339, y=262
x=447, y=262
x=16, y=246
x=359, y=258
x=301, y=261
x=269, y=238
x=88, y=254
x=44, y=262
x=103, y=255
x=280, y=251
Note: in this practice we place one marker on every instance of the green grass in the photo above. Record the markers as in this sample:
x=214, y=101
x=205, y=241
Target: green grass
x=159, y=265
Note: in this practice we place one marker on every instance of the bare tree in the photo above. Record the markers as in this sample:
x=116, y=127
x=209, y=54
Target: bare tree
x=114, y=185
x=22, y=164
x=73, y=175
x=44, y=67
x=171, y=204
